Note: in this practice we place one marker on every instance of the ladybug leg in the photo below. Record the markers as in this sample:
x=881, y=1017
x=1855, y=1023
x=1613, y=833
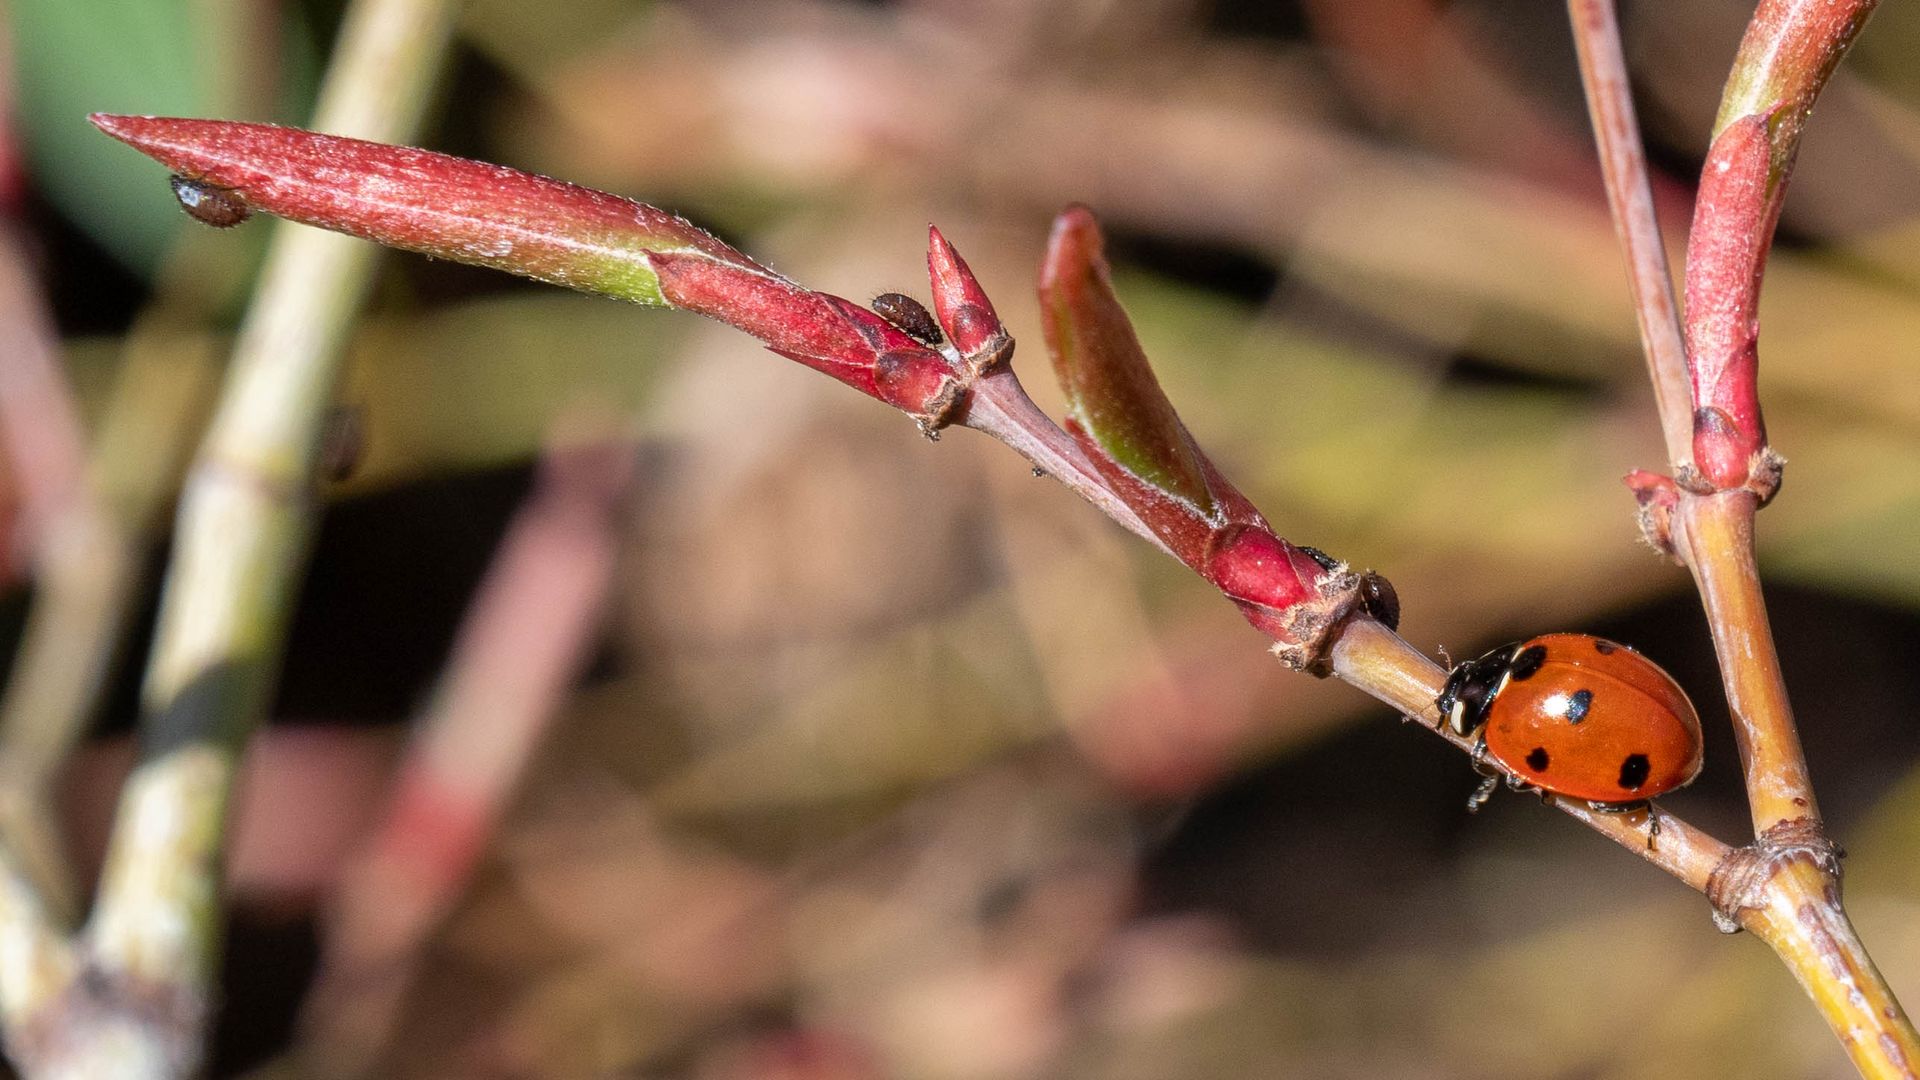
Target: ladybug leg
x=1490, y=776
x=1482, y=793
x=1653, y=816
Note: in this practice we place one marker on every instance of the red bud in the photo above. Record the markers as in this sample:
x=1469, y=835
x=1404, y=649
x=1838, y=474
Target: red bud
x=962, y=306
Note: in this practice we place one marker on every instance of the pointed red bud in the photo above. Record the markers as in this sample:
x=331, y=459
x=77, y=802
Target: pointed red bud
x=1110, y=386
x=826, y=333
x=962, y=307
x=907, y=374
x=472, y=212
x=448, y=207
x=1263, y=574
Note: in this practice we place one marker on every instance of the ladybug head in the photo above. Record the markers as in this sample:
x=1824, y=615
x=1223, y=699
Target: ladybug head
x=1470, y=689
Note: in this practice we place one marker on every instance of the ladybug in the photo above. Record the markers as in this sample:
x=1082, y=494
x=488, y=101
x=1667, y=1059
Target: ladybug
x=1575, y=715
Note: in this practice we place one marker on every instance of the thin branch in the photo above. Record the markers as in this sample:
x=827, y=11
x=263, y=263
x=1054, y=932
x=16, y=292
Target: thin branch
x=999, y=407
x=1716, y=534
x=1787, y=55
x=1795, y=908
x=289, y=172
x=1623, y=164
x=1785, y=886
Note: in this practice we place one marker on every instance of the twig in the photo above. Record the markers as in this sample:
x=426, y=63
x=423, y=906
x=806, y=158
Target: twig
x=1785, y=886
x=1789, y=51
x=1716, y=533
x=1623, y=164
x=467, y=211
x=999, y=407
x=1810, y=931
x=1133, y=450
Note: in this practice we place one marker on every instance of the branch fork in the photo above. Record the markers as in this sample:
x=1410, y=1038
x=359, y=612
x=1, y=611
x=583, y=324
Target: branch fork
x=1741, y=883
x=1785, y=885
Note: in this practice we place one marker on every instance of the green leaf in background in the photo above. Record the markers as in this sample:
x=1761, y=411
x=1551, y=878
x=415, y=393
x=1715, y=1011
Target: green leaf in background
x=169, y=57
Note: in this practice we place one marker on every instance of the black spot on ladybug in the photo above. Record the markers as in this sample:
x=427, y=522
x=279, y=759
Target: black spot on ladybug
x=1633, y=771
x=907, y=313
x=222, y=208
x=1526, y=662
x=1537, y=759
x=1578, y=704
x=1604, y=647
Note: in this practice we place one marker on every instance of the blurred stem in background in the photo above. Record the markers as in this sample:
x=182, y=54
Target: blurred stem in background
x=524, y=640
x=151, y=946
x=88, y=513
x=240, y=544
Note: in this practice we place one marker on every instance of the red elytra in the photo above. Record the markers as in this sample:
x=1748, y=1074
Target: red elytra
x=1578, y=716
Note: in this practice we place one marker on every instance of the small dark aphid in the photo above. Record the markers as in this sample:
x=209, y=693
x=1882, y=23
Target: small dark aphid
x=222, y=208
x=343, y=442
x=907, y=313
x=1378, y=597
x=1326, y=561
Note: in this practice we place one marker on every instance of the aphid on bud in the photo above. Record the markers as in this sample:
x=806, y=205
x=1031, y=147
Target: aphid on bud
x=1379, y=598
x=906, y=313
x=222, y=208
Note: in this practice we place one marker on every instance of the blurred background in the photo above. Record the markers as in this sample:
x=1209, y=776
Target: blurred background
x=894, y=761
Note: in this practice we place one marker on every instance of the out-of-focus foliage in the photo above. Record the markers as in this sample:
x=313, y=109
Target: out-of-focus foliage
x=858, y=792
x=161, y=57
